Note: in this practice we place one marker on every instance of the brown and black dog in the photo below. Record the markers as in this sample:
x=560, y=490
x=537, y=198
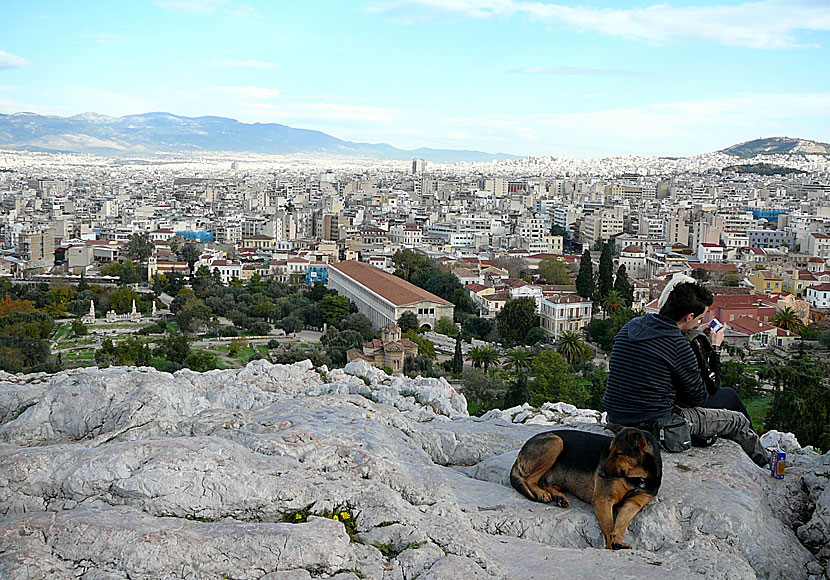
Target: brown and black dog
x=617, y=475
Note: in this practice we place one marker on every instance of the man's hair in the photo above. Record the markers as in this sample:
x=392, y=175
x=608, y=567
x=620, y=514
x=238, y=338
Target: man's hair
x=685, y=298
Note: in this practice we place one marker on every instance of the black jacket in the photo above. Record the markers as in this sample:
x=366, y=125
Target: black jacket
x=652, y=368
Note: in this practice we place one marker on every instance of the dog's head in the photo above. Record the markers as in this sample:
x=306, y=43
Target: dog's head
x=634, y=455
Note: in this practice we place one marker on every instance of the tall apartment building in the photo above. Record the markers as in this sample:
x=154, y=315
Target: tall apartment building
x=37, y=247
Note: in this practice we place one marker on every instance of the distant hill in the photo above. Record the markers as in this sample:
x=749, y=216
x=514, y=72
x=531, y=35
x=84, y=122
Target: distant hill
x=152, y=133
x=777, y=145
x=762, y=169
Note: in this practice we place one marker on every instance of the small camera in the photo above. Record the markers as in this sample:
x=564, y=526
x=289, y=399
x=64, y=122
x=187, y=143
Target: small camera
x=715, y=325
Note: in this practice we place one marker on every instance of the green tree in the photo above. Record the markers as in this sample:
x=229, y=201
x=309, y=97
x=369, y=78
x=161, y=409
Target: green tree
x=290, y=324
x=623, y=286
x=518, y=360
x=190, y=254
x=605, y=274
x=801, y=401
x=409, y=264
x=585, y=277
x=201, y=361
x=446, y=327
x=489, y=356
x=358, y=322
x=174, y=347
x=516, y=319
x=121, y=300
x=613, y=303
x=79, y=328
x=425, y=346
x=474, y=356
x=554, y=382
x=126, y=272
x=140, y=246
x=457, y=358
x=731, y=279
x=334, y=308
x=571, y=347
x=554, y=272
x=82, y=284
x=788, y=320
x=735, y=376
x=408, y=321
x=700, y=275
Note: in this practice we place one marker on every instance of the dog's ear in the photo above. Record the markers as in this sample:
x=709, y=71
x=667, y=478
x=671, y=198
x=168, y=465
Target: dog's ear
x=614, y=427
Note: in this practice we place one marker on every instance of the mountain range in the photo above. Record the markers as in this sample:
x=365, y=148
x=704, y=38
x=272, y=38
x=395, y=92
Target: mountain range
x=159, y=133
x=152, y=133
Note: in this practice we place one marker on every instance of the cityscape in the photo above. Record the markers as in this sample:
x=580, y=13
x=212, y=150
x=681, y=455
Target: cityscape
x=408, y=290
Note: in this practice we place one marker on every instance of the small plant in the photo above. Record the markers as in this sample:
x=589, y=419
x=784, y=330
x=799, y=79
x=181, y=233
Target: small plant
x=198, y=519
x=390, y=551
x=366, y=380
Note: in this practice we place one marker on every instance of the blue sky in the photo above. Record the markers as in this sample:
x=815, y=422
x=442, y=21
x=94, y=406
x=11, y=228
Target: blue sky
x=581, y=79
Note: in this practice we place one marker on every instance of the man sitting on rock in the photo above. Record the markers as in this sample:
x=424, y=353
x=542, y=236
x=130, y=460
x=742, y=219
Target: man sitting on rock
x=653, y=374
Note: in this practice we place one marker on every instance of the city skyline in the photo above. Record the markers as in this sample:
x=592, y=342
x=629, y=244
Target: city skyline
x=494, y=75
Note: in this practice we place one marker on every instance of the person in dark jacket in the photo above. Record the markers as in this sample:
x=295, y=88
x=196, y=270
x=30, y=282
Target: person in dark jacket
x=653, y=373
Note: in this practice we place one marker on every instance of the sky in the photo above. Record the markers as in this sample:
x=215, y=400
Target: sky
x=580, y=79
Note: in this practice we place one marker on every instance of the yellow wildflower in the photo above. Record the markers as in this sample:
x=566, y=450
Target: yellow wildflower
x=345, y=515
x=369, y=415
x=335, y=517
x=298, y=517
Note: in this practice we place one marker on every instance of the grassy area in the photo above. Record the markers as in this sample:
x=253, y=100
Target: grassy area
x=63, y=332
x=758, y=408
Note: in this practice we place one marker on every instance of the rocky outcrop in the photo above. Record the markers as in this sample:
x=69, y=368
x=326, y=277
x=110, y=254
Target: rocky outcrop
x=290, y=472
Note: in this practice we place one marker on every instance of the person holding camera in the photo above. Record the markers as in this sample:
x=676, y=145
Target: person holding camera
x=655, y=380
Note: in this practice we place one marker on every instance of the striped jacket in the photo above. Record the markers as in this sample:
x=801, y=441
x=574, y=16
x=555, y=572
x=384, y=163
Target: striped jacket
x=652, y=368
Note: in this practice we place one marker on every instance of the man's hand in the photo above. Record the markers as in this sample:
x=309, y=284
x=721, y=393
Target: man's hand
x=716, y=338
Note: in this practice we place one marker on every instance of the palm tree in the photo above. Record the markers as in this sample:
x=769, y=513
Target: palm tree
x=613, y=303
x=489, y=356
x=571, y=347
x=788, y=320
x=474, y=356
x=517, y=360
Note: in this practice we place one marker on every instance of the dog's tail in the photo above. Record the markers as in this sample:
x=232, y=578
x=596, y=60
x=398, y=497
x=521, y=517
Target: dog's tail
x=518, y=481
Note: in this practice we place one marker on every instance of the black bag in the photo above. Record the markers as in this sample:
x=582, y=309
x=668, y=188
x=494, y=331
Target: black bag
x=673, y=433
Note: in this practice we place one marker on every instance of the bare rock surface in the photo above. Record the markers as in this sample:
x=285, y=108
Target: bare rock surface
x=285, y=472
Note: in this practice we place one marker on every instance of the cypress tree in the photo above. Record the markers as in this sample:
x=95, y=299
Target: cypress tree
x=585, y=278
x=458, y=358
x=605, y=276
x=624, y=286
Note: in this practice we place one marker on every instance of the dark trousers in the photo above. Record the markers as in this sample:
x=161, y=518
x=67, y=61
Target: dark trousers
x=726, y=398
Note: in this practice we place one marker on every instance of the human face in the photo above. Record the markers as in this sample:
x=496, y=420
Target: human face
x=690, y=321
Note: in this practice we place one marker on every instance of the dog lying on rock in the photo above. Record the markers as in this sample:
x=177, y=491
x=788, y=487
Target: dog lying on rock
x=618, y=475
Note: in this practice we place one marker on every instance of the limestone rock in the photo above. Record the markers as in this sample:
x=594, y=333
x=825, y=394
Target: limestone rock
x=131, y=473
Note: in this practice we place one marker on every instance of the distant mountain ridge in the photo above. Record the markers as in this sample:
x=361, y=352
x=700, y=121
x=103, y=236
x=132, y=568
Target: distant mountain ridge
x=777, y=146
x=151, y=133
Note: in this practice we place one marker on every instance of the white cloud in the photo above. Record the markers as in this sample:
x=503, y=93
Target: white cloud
x=235, y=92
x=8, y=60
x=244, y=64
x=764, y=24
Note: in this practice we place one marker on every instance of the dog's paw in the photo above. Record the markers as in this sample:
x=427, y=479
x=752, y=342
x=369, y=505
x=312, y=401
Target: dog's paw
x=561, y=501
x=620, y=546
x=543, y=496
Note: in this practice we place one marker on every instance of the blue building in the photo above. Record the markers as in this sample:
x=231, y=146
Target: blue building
x=199, y=236
x=771, y=215
x=317, y=273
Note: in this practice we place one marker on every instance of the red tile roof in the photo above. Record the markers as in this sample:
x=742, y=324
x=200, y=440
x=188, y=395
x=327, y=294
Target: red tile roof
x=396, y=290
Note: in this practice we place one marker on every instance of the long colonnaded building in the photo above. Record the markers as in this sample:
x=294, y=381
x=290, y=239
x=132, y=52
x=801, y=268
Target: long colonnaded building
x=382, y=297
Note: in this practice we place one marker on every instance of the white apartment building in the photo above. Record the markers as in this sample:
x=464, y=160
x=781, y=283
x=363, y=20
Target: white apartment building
x=710, y=253
x=818, y=245
x=562, y=312
x=819, y=296
x=408, y=235
x=602, y=225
